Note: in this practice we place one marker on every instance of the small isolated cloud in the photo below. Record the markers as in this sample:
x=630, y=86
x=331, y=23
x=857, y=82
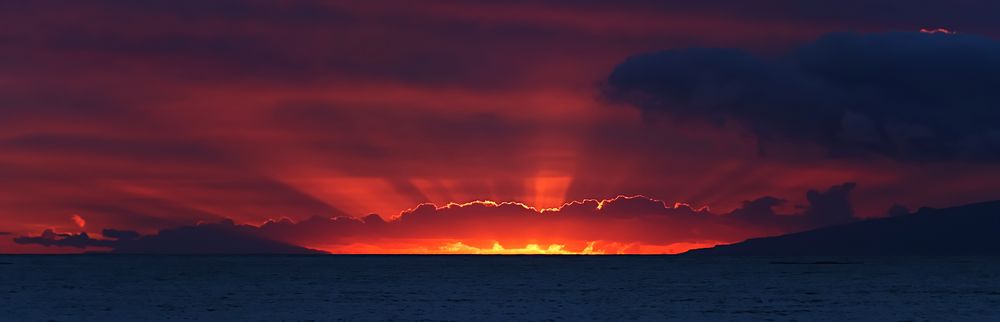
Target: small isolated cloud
x=909, y=96
x=79, y=221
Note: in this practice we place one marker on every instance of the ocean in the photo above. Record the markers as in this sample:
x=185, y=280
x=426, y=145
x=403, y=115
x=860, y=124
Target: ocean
x=496, y=288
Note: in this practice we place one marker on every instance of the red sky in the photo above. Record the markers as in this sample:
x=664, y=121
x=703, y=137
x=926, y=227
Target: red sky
x=156, y=114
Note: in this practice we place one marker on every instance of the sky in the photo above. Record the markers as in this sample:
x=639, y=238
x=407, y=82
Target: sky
x=485, y=126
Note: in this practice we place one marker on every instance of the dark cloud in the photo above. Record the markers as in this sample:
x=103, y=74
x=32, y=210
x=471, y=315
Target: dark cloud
x=965, y=13
x=4, y=233
x=51, y=238
x=120, y=234
x=830, y=207
x=898, y=210
x=907, y=96
x=760, y=210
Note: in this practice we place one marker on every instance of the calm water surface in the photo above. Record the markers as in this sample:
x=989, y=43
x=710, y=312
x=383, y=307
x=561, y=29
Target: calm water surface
x=501, y=288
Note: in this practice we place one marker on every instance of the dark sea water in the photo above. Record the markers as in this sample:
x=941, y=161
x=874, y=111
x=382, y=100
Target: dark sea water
x=496, y=288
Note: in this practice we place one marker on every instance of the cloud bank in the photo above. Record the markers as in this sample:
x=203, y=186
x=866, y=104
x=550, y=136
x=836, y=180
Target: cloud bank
x=622, y=224
x=909, y=96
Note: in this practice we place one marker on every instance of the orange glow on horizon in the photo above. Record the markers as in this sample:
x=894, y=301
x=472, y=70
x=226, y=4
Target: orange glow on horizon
x=495, y=235
x=497, y=248
x=498, y=239
x=529, y=249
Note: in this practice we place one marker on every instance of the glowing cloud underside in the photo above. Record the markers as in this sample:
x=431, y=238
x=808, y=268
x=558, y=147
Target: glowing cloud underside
x=621, y=225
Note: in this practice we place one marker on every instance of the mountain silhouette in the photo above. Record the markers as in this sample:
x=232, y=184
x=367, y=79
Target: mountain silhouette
x=965, y=230
x=206, y=239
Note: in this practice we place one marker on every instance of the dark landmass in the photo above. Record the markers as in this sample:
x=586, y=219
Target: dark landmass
x=966, y=230
x=220, y=238
x=196, y=240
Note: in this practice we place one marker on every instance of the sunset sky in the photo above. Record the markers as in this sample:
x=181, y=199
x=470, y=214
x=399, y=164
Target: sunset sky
x=488, y=126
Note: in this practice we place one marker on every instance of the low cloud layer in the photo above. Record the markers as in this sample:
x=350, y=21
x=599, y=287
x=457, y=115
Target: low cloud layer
x=622, y=224
x=220, y=238
x=909, y=96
